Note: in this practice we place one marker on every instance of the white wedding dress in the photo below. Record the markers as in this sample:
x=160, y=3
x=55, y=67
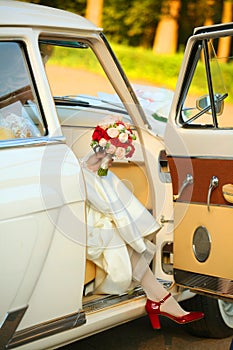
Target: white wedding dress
x=117, y=224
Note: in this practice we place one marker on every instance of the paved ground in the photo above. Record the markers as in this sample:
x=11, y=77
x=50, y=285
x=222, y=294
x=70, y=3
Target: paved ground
x=138, y=335
x=67, y=81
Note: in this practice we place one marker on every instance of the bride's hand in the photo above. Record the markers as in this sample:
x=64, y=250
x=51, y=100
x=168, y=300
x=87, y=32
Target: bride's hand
x=94, y=161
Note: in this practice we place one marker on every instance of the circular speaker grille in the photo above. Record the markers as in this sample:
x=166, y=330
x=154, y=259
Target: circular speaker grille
x=201, y=243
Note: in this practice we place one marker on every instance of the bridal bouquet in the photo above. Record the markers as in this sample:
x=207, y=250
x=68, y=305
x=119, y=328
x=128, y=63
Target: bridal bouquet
x=115, y=138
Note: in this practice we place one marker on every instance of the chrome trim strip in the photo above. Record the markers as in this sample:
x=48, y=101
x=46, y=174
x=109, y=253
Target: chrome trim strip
x=31, y=142
x=10, y=325
x=110, y=300
x=87, y=127
x=201, y=157
x=46, y=329
x=228, y=205
x=218, y=286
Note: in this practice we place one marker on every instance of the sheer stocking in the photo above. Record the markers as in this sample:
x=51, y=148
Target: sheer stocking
x=153, y=289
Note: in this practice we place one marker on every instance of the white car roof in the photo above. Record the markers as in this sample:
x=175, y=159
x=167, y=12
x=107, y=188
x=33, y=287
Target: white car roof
x=16, y=13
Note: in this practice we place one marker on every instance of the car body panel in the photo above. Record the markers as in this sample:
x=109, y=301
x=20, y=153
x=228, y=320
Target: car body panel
x=28, y=226
x=17, y=14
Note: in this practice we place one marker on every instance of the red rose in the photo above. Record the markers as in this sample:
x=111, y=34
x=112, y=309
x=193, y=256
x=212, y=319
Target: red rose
x=120, y=123
x=99, y=133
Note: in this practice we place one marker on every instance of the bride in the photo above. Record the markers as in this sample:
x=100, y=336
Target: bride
x=120, y=230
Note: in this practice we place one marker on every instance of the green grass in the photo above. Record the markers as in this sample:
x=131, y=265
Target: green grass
x=163, y=70
x=142, y=65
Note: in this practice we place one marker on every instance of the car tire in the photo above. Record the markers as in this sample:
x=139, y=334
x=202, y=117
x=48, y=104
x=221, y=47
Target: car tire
x=218, y=320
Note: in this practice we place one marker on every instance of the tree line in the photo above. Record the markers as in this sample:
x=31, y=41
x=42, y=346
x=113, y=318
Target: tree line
x=161, y=25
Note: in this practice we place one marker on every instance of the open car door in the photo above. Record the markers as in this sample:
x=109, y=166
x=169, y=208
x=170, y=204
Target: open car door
x=199, y=141
x=199, y=138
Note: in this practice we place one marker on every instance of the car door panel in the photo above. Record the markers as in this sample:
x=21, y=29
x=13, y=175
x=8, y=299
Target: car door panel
x=200, y=154
x=220, y=239
x=192, y=211
x=212, y=222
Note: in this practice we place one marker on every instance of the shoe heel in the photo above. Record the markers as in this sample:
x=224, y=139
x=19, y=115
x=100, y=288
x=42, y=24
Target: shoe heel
x=154, y=320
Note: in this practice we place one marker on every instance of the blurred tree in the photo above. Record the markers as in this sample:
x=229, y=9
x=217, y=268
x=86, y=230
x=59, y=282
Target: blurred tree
x=196, y=13
x=167, y=31
x=224, y=45
x=141, y=20
x=163, y=25
x=94, y=11
x=131, y=22
x=114, y=14
x=209, y=20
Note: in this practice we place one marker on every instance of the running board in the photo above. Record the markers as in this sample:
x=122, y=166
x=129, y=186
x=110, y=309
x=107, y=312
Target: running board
x=112, y=300
x=103, y=302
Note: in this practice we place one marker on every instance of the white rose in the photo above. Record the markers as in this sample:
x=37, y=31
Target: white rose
x=120, y=153
x=120, y=127
x=123, y=137
x=111, y=149
x=112, y=132
x=102, y=142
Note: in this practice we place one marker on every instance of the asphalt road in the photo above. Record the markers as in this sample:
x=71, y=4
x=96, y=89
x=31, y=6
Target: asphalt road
x=138, y=335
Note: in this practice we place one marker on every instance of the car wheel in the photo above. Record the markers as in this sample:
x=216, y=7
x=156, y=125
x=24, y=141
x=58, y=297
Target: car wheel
x=218, y=320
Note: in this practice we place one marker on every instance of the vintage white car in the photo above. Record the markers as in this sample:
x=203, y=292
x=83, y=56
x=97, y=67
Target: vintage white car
x=182, y=171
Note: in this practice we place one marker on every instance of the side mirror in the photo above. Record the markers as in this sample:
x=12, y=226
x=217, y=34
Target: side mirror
x=203, y=102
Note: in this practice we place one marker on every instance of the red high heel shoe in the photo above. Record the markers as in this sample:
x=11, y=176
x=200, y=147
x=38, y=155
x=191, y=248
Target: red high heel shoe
x=153, y=310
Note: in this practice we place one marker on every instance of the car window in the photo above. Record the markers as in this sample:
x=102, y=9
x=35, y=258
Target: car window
x=19, y=112
x=70, y=66
x=78, y=82
x=205, y=86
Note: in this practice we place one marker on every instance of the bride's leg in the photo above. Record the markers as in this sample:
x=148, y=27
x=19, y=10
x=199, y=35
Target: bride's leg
x=156, y=292
x=159, y=301
x=153, y=289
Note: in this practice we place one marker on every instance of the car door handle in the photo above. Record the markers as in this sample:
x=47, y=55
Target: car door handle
x=187, y=181
x=213, y=184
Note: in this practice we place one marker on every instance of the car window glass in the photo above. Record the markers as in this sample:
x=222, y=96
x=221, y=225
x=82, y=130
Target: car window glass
x=211, y=73
x=78, y=82
x=19, y=112
x=70, y=66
